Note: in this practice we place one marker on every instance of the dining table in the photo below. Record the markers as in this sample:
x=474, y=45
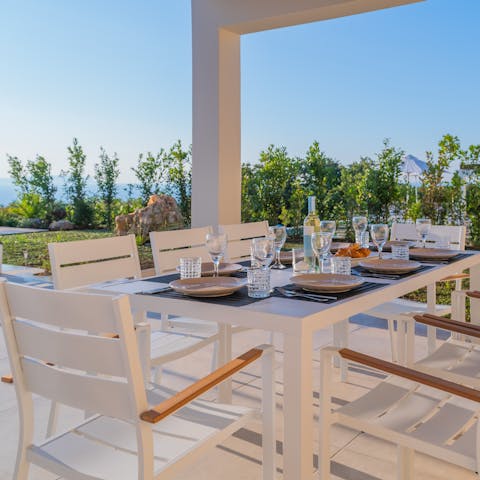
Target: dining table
x=297, y=319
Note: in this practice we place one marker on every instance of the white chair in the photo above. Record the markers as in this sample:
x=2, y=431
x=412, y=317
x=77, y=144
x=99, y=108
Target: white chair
x=79, y=264
x=52, y=341
x=418, y=411
x=239, y=238
x=396, y=310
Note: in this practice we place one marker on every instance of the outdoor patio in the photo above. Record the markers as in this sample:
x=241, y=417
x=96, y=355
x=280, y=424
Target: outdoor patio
x=354, y=456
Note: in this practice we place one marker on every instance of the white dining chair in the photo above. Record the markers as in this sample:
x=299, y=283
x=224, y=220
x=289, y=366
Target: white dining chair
x=81, y=264
x=416, y=410
x=56, y=352
x=239, y=238
x=398, y=309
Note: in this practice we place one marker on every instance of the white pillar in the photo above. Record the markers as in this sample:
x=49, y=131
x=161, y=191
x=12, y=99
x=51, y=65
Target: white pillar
x=216, y=136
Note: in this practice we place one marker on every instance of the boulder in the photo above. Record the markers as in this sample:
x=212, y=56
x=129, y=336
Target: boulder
x=61, y=225
x=161, y=213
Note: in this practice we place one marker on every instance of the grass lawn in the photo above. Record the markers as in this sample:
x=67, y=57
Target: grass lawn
x=34, y=246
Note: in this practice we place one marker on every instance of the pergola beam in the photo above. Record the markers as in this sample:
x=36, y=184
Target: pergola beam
x=217, y=26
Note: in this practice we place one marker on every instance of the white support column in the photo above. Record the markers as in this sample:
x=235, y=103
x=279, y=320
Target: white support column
x=216, y=169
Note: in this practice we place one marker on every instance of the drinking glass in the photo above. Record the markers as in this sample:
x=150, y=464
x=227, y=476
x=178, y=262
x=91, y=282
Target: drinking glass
x=263, y=249
x=258, y=282
x=279, y=232
x=342, y=265
x=400, y=251
x=423, y=226
x=190, y=267
x=359, y=224
x=216, y=244
x=299, y=264
x=328, y=226
x=379, y=234
x=321, y=242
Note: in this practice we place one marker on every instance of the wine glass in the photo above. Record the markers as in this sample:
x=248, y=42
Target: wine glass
x=328, y=226
x=321, y=243
x=379, y=233
x=359, y=224
x=279, y=232
x=423, y=226
x=216, y=244
x=263, y=249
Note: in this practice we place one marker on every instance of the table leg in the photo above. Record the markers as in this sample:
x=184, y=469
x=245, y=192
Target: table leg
x=340, y=340
x=298, y=407
x=224, y=356
x=475, y=303
x=431, y=306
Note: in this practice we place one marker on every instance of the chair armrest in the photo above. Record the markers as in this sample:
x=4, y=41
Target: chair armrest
x=174, y=403
x=455, y=276
x=449, y=324
x=411, y=374
x=474, y=294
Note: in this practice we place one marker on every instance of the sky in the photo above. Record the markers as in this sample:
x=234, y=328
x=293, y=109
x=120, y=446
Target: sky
x=117, y=74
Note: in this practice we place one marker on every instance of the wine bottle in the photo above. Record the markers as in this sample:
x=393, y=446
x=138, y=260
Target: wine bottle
x=310, y=224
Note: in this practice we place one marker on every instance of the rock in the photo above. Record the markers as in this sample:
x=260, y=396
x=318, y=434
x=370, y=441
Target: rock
x=161, y=213
x=61, y=225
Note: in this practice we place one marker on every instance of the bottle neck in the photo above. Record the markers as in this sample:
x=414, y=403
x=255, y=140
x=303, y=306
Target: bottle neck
x=311, y=206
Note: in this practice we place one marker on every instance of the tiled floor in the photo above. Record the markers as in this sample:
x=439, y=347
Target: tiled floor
x=354, y=456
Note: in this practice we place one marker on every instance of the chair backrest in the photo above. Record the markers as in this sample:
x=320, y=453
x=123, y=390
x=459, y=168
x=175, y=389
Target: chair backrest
x=239, y=238
x=83, y=262
x=169, y=246
x=53, y=352
x=455, y=234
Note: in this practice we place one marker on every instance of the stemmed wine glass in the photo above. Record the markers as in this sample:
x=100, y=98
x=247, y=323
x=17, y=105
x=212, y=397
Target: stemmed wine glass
x=263, y=249
x=328, y=226
x=379, y=233
x=423, y=226
x=359, y=224
x=216, y=244
x=321, y=243
x=279, y=232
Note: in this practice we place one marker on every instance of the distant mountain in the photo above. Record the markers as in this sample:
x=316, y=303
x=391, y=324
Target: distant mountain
x=8, y=193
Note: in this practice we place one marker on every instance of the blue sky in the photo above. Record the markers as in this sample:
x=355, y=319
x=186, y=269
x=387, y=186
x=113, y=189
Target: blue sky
x=118, y=74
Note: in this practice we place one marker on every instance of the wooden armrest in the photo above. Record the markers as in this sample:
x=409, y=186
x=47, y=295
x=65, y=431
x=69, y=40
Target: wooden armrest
x=449, y=324
x=7, y=379
x=411, y=374
x=456, y=276
x=171, y=405
x=474, y=294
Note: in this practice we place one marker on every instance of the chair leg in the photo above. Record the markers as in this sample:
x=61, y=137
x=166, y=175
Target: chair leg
x=405, y=458
x=157, y=374
x=269, y=443
x=393, y=343
x=52, y=419
x=215, y=362
x=340, y=340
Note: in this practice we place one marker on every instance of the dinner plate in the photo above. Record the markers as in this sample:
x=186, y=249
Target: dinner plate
x=208, y=286
x=388, y=245
x=390, y=265
x=223, y=269
x=327, y=282
x=433, y=253
x=287, y=257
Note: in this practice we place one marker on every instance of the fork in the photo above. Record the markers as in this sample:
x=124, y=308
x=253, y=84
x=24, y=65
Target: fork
x=310, y=296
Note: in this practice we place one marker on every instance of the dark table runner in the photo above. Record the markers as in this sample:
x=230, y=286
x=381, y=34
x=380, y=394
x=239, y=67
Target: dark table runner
x=240, y=298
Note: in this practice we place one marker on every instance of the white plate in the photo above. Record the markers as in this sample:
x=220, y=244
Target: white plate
x=208, y=286
x=327, y=282
x=433, y=253
x=390, y=265
x=223, y=269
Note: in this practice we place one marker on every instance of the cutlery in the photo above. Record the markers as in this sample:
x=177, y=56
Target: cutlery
x=379, y=275
x=157, y=290
x=310, y=296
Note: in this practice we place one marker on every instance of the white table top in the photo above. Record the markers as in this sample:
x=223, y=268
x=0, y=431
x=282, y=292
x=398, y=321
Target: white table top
x=20, y=270
x=292, y=315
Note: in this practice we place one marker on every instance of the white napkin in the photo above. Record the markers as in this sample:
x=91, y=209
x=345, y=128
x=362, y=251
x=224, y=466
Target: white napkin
x=135, y=286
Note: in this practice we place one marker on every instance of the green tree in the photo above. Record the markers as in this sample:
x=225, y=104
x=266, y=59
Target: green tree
x=178, y=176
x=106, y=176
x=150, y=173
x=80, y=209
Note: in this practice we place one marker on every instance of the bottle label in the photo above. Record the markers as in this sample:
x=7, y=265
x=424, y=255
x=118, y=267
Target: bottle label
x=308, y=230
